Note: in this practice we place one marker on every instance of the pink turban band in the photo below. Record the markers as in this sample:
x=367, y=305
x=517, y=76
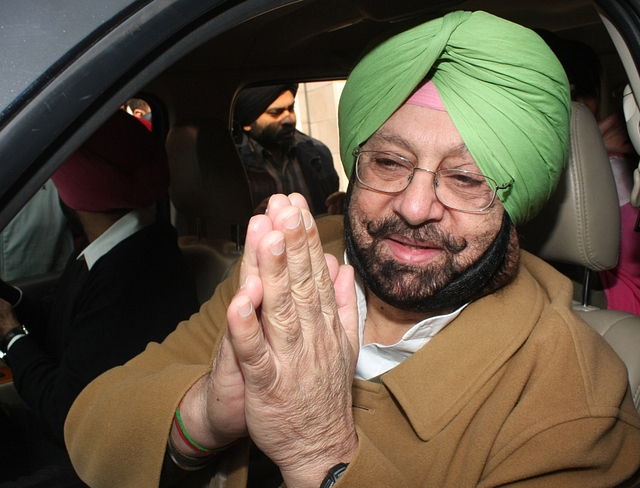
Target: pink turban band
x=427, y=96
x=121, y=166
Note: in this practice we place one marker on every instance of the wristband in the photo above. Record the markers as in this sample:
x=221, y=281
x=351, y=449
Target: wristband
x=184, y=435
x=333, y=475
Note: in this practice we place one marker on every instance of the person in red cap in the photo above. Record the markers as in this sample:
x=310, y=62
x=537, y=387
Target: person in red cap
x=125, y=285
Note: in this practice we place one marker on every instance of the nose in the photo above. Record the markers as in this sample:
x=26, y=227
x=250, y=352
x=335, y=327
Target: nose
x=418, y=203
x=289, y=117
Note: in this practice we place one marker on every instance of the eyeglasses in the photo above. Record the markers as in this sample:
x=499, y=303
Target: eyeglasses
x=457, y=189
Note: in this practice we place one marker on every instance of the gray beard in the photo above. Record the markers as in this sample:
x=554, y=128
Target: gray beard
x=492, y=270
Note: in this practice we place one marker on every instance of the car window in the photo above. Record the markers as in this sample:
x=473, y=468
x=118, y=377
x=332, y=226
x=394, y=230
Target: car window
x=317, y=109
x=38, y=240
x=34, y=36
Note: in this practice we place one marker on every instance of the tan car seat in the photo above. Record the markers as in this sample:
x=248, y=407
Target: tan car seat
x=580, y=226
x=210, y=191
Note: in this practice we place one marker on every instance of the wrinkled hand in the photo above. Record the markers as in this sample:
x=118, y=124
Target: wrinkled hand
x=615, y=135
x=335, y=203
x=293, y=329
x=213, y=410
x=260, y=384
x=8, y=319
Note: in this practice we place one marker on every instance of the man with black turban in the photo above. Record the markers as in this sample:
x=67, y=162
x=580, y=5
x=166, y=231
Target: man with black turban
x=443, y=357
x=125, y=285
x=277, y=157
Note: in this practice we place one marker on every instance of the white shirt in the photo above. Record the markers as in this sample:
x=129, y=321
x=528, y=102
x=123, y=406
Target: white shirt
x=375, y=359
x=126, y=226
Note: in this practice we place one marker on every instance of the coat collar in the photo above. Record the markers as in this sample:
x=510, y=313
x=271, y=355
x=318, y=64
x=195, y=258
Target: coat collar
x=468, y=353
x=465, y=355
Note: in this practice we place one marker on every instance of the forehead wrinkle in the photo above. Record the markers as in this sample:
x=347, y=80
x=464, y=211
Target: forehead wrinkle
x=382, y=136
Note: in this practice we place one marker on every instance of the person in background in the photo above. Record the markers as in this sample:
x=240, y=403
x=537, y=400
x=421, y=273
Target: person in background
x=141, y=110
x=440, y=354
x=622, y=283
x=125, y=285
x=38, y=239
x=276, y=156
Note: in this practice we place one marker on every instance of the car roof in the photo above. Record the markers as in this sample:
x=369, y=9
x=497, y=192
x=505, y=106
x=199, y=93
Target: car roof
x=65, y=69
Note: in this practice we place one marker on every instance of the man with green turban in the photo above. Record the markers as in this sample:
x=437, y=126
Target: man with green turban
x=506, y=94
x=449, y=358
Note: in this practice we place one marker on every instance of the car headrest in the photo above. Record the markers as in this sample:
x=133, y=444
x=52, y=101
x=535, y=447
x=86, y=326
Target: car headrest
x=581, y=223
x=208, y=179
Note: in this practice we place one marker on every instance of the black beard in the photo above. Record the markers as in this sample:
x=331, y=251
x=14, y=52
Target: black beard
x=270, y=137
x=441, y=290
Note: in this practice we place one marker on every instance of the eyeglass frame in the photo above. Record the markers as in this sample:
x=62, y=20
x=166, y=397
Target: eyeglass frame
x=492, y=183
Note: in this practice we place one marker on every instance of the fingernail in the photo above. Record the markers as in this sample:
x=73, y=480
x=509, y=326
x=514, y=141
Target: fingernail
x=277, y=247
x=245, y=309
x=243, y=284
x=292, y=221
x=308, y=219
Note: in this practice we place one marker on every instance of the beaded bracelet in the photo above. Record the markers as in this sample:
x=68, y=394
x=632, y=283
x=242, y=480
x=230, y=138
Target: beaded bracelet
x=177, y=419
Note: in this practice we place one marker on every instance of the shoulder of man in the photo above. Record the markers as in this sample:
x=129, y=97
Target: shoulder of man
x=250, y=152
x=310, y=150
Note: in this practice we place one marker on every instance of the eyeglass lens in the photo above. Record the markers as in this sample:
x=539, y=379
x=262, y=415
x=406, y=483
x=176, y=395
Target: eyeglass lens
x=458, y=189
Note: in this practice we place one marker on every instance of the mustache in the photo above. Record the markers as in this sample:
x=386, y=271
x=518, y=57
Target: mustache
x=429, y=232
x=286, y=128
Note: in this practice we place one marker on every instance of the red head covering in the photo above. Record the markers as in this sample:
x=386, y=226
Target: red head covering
x=122, y=165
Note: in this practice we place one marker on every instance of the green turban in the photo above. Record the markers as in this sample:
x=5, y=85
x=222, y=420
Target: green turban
x=502, y=86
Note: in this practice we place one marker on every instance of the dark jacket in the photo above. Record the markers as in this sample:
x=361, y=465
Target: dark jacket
x=316, y=164
x=95, y=320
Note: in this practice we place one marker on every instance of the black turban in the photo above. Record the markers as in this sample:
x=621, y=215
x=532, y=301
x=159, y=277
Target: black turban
x=252, y=102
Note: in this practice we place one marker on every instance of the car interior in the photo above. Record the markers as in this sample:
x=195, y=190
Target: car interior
x=191, y=77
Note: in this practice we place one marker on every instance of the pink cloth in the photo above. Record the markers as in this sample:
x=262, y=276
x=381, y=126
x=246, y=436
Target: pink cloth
x=622, y=283
x=427, y=96
x=121, y=166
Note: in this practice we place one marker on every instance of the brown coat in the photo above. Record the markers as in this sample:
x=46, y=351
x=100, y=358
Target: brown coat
x=516, y=390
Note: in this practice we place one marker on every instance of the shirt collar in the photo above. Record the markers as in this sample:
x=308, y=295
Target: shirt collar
x=126, y=226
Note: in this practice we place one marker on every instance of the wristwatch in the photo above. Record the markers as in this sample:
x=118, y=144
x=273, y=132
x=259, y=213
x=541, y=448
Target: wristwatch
x=10, y=336
x=333, y=475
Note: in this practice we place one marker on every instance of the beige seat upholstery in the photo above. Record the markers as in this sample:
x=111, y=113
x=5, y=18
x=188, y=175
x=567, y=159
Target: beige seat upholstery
x=210, y=191
x=581, y=227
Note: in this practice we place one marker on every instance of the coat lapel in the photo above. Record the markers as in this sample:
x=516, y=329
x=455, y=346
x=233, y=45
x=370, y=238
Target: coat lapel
x=465, y=355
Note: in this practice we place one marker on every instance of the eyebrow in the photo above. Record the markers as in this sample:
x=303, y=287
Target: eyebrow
x=280, y=108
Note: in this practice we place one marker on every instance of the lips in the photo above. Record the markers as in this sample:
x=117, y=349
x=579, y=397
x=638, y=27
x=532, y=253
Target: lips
x=411, y=251
x=413, y=243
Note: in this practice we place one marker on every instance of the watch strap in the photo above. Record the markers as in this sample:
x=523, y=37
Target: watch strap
x=8, y=337
x=334, y=475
